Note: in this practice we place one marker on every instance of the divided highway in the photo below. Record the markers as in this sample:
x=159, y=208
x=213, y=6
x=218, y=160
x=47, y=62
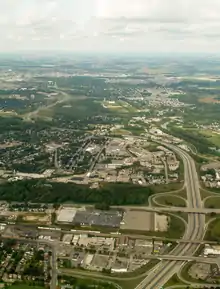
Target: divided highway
x=161, y=273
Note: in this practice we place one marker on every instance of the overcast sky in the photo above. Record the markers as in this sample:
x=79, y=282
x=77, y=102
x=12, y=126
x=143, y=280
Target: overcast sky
x=110, y=25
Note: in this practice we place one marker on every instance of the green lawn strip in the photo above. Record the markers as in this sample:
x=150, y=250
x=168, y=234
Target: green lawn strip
x=129, y=284
x=23, y=286
x=82, y=280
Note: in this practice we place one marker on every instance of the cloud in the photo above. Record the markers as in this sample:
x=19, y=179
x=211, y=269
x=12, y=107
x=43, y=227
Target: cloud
x=132, y=25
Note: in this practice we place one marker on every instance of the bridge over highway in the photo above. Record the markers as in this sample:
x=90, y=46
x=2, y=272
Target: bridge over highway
x=213, y=260
x=192, y=210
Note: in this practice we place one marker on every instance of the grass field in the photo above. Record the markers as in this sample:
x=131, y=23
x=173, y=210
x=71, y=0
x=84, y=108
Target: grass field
x=213, y=202
x=212, y=136
x=120, y=132
x=213, y=232
x=167, y=187
x=173, y=281
x=182, y=194
x=205, y=193
x=120, y=106
x=24, y=286
x=116, y=106
x=169, y=200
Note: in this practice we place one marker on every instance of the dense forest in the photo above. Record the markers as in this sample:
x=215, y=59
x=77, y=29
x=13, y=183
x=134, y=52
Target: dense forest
x=41, y=192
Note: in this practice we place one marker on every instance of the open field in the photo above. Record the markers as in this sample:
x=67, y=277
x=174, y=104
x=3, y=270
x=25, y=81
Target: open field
x=209, y=99
x=7, y=113
x=173, y=281
x=166, y=188
x=114, y=105
x=120, y=132
x=198, y=137
x=212, y=136
x=35, y=218
x=120, y=106
x=139, y=220
x=144, y=221
x=169, y=200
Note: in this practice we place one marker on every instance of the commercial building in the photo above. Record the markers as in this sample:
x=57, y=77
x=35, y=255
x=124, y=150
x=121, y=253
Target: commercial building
x=211, y=250
x=66, y=214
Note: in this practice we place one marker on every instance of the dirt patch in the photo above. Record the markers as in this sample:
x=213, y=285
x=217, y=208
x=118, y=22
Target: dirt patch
x=144, y=221
x=36, y=218
x=161, y=223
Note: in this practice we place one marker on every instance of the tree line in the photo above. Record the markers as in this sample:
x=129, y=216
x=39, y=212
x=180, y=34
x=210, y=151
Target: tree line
x=39, y=191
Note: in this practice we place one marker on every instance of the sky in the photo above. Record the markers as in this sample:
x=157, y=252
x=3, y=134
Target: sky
x=110, y=25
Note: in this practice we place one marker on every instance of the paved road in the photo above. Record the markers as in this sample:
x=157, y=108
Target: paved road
x=184, y=258
x=195, y=229
x=53, y=283
x=174, y=209
x=194, y=285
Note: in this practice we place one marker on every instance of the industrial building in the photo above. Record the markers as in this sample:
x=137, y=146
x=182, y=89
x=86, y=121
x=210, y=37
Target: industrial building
x=66, y=214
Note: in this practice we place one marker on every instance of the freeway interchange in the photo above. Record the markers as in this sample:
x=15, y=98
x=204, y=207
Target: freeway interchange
x=195, y=228
x=185, y=248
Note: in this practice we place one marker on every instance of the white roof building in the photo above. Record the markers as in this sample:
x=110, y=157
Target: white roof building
x=66, y=214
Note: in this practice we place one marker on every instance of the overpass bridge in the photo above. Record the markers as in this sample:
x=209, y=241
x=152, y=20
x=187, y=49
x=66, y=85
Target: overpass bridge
x=198, y=259
x=174, y=210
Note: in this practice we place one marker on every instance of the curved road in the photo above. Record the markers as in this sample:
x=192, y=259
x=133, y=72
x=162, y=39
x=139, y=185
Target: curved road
x=195, y=229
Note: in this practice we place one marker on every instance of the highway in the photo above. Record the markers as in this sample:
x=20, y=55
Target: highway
x=195, y=229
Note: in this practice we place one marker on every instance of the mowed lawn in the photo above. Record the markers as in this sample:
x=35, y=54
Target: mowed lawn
x=24, y=286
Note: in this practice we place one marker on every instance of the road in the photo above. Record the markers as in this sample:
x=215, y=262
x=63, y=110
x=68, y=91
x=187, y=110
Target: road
x=171, y=257
x=172, y=209
x=195, y=285
x=195, y=229
x=95, y=161
x=166, y=170
x=31, y=115
x=53, y=282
